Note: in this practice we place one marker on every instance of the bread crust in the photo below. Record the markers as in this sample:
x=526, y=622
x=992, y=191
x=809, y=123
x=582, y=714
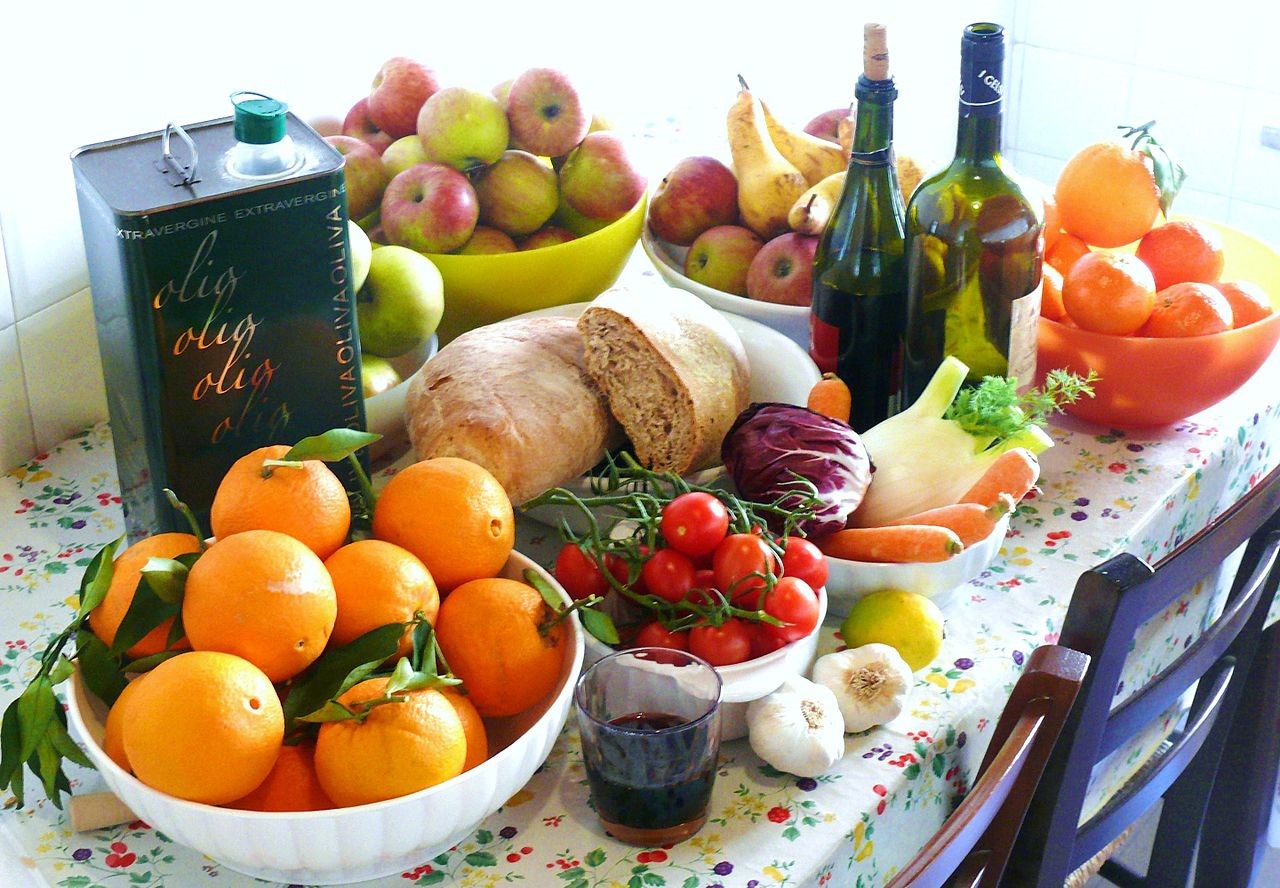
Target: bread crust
x=673, y=369
x=515, y=398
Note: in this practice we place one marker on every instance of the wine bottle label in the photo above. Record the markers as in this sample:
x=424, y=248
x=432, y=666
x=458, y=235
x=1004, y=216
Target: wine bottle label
x=1024, y=325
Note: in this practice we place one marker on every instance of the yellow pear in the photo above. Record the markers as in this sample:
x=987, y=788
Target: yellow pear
x=815, y=158
x=812, y=210
x=767, y=183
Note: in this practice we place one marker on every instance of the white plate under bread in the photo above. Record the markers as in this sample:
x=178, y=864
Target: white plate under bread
x=780, y=371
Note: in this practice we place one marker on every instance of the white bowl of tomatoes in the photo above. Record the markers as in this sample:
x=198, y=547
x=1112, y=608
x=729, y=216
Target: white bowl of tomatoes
x=694, y=582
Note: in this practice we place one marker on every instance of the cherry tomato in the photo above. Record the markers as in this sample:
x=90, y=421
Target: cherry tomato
x=654, y=634
x=764, y=642
x=737, y=557
x=722, y=645
x=803, y=559
x=578, y=573
x=794, y=602
x=668, y=574
x=694, y=523
x=620, y=569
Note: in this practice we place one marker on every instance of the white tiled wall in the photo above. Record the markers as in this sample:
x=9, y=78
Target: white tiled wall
x=1209, y=77
x=663, y=72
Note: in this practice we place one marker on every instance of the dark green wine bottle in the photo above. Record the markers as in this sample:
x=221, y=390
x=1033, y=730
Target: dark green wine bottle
x=859, y=308
x=974, y=242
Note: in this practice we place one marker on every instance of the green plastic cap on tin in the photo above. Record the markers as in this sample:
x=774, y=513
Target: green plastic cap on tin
x=260, y=119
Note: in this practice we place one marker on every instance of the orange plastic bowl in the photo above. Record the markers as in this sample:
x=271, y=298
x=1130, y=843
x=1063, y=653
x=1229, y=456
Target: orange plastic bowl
x=1146, y=382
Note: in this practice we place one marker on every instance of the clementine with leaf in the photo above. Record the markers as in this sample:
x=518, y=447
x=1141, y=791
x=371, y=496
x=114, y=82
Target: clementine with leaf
x=105, y=619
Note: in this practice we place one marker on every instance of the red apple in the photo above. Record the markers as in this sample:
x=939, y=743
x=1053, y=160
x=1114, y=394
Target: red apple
x=365, y=175
x=699, y=193
x=721, y=257
x=827, y=124
x=486, y=240
x=398, y=91
x=429, y=207
x=359, y=125
x=517, y=194
x=599, y=180
x=547, y=236
x=782, y=272
x=546, y=114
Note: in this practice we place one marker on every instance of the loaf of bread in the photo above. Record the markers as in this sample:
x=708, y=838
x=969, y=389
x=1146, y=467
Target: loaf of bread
x=673, y=369
x=515, y=398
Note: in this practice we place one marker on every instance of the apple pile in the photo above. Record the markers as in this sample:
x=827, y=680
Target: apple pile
x=448, y=169
x=752, y=230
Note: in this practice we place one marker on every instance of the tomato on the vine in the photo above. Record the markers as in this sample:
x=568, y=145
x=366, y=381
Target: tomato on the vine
x=654, y=634
x=763, y=641
x=578, y=573
x=737, y=557
x=722, y=645
x=803, y=559
x=694, y=523
x=794, y=602
x=668, y=574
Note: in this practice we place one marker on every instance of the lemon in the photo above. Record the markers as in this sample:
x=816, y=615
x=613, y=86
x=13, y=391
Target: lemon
x=906, y=621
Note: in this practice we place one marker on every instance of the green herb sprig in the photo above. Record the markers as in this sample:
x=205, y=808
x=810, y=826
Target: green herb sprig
x=994, y=408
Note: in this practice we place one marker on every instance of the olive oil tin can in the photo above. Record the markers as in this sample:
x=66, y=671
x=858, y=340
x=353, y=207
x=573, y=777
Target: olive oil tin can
x=224, y=307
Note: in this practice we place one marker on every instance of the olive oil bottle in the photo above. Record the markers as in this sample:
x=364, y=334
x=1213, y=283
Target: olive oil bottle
x=859, y=272
x=974, y=241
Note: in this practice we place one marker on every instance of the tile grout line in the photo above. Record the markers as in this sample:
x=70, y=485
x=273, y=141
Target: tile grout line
x=17, y=341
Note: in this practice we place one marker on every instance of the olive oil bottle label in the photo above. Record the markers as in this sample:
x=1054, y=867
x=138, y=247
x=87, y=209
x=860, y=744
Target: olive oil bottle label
x=1023, y=327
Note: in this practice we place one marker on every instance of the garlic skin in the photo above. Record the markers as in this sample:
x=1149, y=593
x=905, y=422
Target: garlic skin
x=871, y=684
x=798, y=728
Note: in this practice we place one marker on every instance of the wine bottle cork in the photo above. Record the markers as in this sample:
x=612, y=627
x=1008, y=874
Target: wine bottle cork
x=875, y=52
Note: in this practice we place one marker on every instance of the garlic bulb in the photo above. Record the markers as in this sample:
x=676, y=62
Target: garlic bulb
x=797, y=728
x=871, y=684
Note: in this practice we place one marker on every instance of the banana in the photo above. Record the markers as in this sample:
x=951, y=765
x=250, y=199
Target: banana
x=815, y=158
x=767, y=183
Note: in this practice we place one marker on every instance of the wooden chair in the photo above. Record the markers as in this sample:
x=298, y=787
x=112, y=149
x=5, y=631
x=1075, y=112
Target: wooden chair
x=1109, y=604
x=973, y=845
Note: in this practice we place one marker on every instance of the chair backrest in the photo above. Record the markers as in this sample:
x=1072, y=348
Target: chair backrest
x=974, y=844
x=1109, y=604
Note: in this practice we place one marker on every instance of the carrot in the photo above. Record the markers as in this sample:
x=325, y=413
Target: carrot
x=1014, y=472
x=831, y=397
x=972, y=522
x=900, y=544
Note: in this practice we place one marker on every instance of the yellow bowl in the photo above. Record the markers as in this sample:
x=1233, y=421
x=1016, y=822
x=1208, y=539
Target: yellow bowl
x=482, y=289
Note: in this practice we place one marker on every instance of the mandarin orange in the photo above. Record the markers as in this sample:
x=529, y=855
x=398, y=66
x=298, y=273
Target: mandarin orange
x=379, y=583
x=1109, y=293
x=1188, y=309
x=204, y=726
x=126, y=573
x=502, y=640
x=398, y=748
x=1107, y=194
x=1249, y=302
x=451, y=513
x=263, y=596
x=306, y=501
x=290, y=785
x=1182, y=251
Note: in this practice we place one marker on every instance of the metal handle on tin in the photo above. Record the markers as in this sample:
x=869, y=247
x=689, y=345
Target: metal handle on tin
x=188, y=173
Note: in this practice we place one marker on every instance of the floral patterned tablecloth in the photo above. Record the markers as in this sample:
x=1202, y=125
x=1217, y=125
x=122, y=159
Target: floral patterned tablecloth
x=1103, y=491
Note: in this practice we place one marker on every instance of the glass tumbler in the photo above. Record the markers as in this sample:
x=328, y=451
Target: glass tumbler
x=650, y=725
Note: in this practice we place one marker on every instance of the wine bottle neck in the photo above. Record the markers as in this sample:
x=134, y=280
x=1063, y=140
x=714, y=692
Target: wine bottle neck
x=873, y=126
x=981, y=93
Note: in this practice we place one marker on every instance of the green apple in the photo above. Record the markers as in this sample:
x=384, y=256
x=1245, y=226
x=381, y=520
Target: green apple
x=402, y=154
x=361, y=253
x=377, y=375
x=401, y=303
x=463, y=128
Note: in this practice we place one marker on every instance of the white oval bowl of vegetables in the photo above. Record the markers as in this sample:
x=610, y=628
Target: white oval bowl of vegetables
x=940, y=484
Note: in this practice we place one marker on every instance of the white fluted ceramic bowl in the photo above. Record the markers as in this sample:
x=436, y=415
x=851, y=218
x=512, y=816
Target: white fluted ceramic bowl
x=363, y=842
